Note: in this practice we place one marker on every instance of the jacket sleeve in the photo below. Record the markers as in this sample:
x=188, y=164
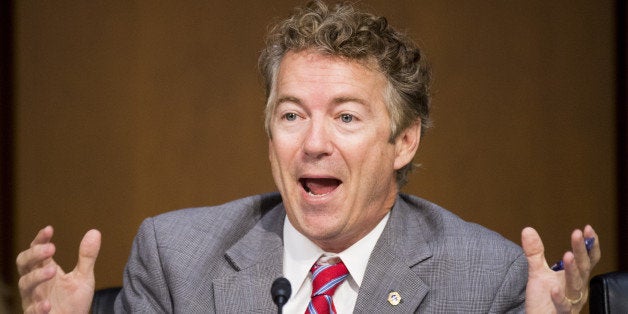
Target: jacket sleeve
x=510, y=297
x=145, y=287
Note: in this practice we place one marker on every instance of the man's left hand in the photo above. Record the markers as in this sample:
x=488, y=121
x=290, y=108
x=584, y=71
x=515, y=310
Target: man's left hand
x=564, y=291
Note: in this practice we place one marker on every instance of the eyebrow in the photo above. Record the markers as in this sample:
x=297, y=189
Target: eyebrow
x=335, y=101
x=288, y=99
x=340, y=100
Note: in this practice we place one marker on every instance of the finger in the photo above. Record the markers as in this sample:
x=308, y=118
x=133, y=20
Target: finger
x=88, y=252
x=577, y=244
x=38, y=308
x=595, y=254
x=561, y=303
x=574, y=282
x=32, y=280
x=533, y=249
x=45, y=307
x=43, y=236
x=581, y=255
x=27, y=260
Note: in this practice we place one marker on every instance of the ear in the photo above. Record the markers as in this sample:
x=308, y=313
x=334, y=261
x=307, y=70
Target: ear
x=407, y=144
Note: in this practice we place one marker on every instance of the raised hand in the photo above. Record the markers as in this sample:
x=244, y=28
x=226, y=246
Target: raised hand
x=45, y=287
x=564, y=291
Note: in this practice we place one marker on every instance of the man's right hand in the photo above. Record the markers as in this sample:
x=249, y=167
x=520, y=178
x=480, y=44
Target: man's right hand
x=45, y=287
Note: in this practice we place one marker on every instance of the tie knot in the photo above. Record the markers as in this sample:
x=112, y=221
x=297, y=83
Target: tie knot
x=326, y=278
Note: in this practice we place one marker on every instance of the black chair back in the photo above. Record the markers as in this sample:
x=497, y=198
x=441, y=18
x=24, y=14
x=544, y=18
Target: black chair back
x=609, y=293
x=104, y=299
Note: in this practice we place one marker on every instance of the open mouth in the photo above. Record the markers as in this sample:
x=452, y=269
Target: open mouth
x=319, y=186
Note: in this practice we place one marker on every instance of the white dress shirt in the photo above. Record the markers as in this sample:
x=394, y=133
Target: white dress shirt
x=300, y=254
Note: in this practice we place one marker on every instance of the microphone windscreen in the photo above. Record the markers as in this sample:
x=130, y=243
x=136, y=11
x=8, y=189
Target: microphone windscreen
x=280, y=290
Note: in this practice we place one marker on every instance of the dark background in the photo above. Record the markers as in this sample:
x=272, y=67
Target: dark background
x=113, y=111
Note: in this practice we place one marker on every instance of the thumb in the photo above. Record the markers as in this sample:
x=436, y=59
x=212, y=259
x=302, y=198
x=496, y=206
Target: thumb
x=533, y=248
x=88, y=252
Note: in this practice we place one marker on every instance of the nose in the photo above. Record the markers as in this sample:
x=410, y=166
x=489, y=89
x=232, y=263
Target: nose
x=317, y=142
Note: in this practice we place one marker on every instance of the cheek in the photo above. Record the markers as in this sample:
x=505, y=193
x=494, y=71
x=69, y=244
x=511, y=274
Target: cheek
x=375, y=162
x=281, y=154
x=272, y=155
x=274, y=163
x=372, y=150
x=280, y=148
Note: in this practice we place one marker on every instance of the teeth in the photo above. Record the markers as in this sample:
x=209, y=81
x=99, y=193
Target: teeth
x=307, y=189
x=310, y=192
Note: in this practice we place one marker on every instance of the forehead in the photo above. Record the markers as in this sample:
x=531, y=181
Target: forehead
x=312, y=55
x=313, y=74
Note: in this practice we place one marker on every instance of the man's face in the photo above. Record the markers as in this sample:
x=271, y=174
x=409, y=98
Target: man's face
x=330, y=152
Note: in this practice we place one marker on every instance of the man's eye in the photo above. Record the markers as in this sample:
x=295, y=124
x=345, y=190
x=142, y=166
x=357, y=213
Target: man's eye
x=346, y=118
x=291, y=116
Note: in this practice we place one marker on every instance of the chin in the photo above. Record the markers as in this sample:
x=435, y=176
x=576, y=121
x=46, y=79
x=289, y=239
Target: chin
x=321, y=228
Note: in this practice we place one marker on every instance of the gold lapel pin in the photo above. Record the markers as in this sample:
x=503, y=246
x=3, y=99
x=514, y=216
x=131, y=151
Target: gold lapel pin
x=394, y=298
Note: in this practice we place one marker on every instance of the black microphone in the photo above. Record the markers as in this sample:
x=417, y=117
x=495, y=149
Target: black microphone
x=280, y=290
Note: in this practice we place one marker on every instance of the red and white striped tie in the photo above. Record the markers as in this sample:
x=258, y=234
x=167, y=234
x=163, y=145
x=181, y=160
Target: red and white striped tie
x=325, y=280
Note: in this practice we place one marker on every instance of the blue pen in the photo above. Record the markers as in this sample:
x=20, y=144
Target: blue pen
x=588, y=243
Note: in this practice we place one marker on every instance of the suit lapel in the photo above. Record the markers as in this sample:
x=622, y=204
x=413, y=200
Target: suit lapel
x=257, y=259
x=394, y=265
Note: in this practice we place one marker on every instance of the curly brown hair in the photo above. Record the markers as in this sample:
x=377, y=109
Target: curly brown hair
x=346, y=32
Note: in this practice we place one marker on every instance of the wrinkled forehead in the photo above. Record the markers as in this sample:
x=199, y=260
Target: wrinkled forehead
x=369, y=64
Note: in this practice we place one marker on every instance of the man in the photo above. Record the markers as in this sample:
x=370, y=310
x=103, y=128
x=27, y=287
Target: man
x=347, y=104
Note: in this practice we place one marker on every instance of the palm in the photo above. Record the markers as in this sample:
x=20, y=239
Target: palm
x=71, y=292
x=539, y=288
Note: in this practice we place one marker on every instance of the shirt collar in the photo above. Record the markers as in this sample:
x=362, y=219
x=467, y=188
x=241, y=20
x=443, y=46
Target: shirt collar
x=300, y=253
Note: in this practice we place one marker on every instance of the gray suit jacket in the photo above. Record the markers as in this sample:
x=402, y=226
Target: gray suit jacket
x=223, y=259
